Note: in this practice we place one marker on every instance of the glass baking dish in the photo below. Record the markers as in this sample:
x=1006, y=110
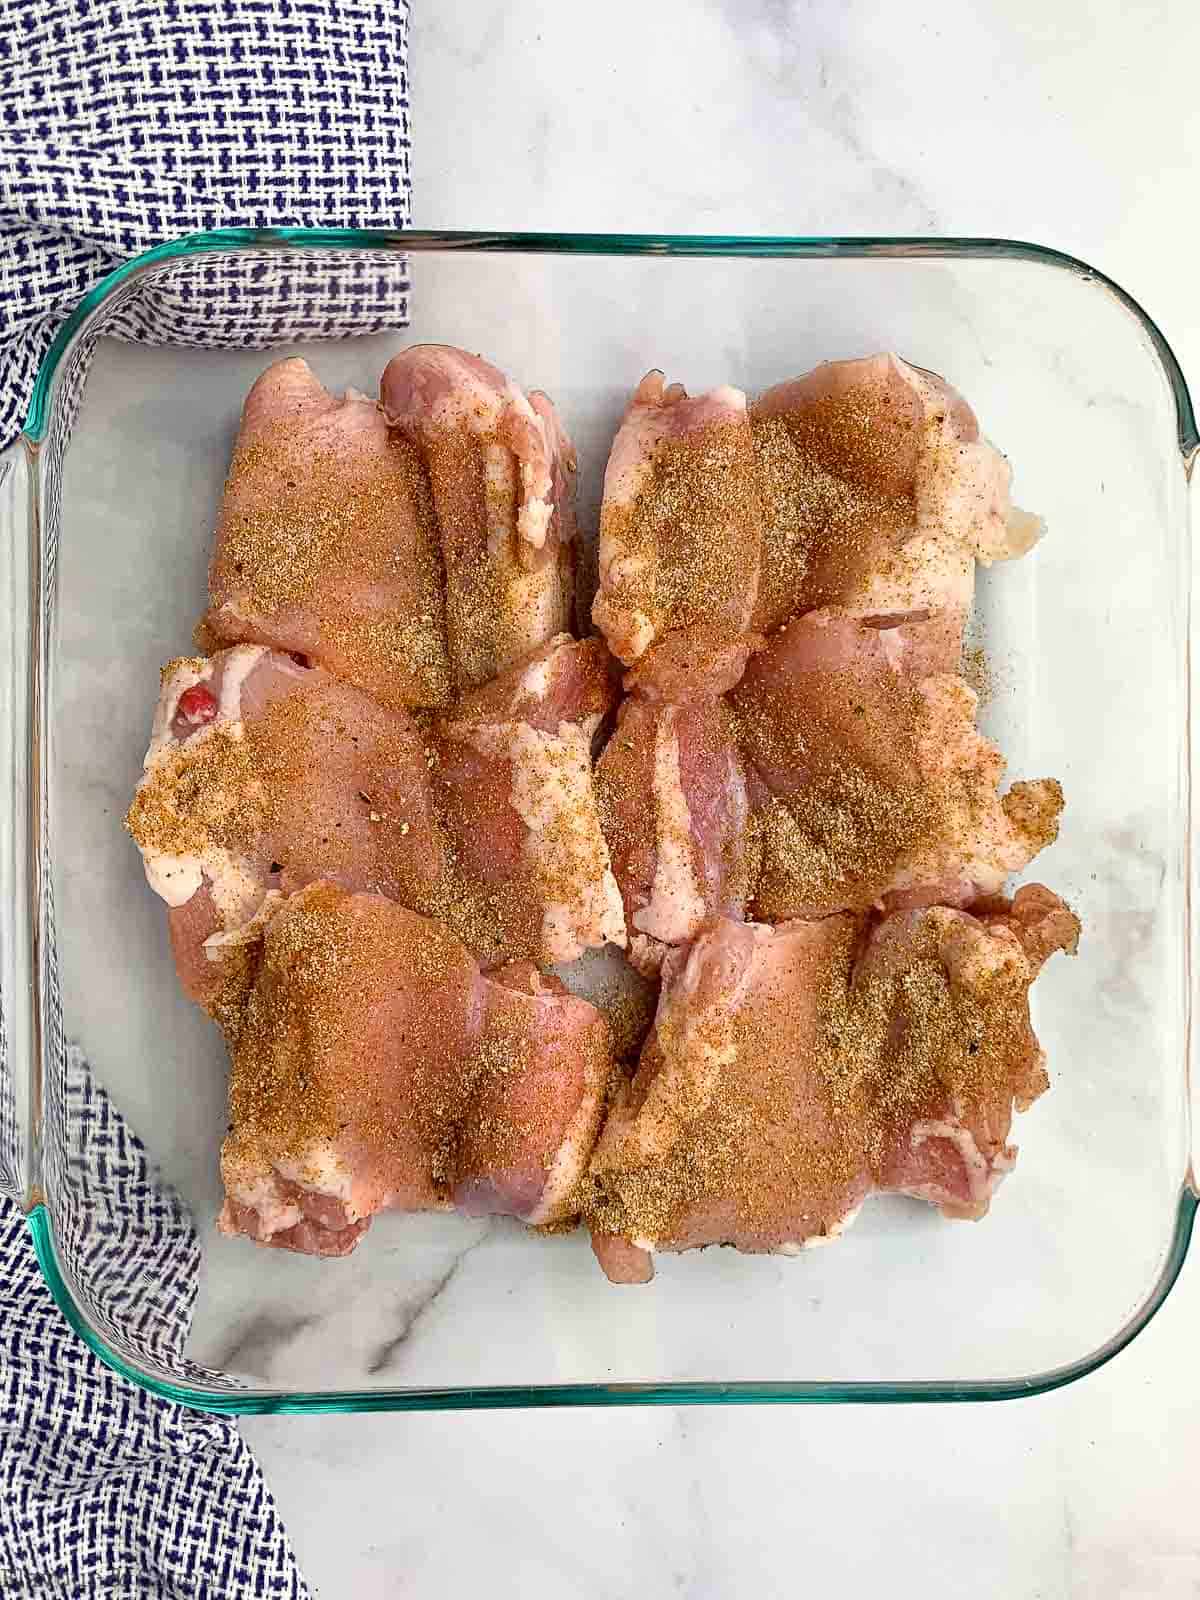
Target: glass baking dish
x=1089, y=640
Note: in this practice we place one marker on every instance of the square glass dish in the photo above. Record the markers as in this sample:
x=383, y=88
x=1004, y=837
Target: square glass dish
x=107, y=504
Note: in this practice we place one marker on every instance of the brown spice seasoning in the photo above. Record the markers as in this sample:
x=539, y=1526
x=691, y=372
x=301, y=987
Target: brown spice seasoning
x=320, y=539
x=228, y=792
x=697, y=521
x=828, y=1075
x=316, y=1060
x=831, y=504
x=498, y=587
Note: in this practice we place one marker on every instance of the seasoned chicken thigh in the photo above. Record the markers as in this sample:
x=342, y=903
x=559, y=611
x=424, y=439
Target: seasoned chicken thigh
x=737, y=1129
x=541, y=1072
x=879, y=496
x=959, y=1050
x=360, y=1016
x=793, y=1070
x=871, y=783
x=502, y=474
x=529, y=870
x=673, y=803
x=326, y=544
x=376, y=1068
x=262, y=776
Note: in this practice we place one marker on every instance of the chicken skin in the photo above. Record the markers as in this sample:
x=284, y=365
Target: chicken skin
x=879, y=496
x=793, y=1070
x=326, y=544
x=376, y=1068
x=501, y=473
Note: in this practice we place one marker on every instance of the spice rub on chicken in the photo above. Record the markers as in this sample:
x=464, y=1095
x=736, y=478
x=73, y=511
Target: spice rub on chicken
x=529, y=873
x=680, y=534
x=374, y=1067
x=879, y=496
x=327, y=545
x=872, y=784
x=262, y=776
x=672, y=792
x=794, y=1070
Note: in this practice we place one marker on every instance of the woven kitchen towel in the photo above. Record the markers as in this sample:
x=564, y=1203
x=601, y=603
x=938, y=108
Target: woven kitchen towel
x=124, y=123
x=107, y=1493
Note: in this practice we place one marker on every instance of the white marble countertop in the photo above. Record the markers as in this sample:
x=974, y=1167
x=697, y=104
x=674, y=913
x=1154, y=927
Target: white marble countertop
x=1070, y=122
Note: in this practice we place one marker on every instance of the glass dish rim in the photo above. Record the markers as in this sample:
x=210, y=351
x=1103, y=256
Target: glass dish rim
x=600, y=1394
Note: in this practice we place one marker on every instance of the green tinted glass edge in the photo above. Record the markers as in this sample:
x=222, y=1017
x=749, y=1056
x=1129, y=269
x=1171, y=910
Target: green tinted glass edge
x=617, y=244
x=612, y=1394
x=617, y=1394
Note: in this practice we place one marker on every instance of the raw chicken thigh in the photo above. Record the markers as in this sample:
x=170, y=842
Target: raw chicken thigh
x=529, y=875
x=680, y=532
x=501, y=470
x=879, y=496
x=792, y=1073
x=679, y=570
x=262, y=776
x=326, y=544
x=734, y=1130
x=673, y=803
x=695, y=663
x=960, y=1050
x=359, y=1015
x=872, y=783
x=1036, y=917
x=376, y=1068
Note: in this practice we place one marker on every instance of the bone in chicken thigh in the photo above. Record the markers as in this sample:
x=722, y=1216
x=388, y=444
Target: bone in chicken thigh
x=501, y=472
x=792, y=1072
x=326, y=544
x=376, y=1068
x=871, y=783
x=879, y=495
x=262, y=776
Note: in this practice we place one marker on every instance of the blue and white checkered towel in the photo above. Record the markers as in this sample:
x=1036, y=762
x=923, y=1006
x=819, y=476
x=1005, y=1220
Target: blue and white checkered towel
x=124, y=123
x=106, y=1491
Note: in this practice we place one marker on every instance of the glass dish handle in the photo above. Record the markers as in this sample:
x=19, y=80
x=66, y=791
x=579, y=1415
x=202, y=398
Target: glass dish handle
x=19, y=623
